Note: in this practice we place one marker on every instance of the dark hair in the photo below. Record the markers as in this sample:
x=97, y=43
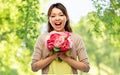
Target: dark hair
x=63, y=9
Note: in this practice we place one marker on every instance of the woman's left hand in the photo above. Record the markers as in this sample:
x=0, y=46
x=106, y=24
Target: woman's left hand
x=62, y=55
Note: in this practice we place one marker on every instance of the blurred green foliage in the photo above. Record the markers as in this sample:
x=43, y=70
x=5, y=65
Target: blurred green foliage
x=21, y=22
x=101, y=32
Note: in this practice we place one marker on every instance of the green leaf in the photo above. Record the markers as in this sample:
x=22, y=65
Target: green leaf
x=56, y=49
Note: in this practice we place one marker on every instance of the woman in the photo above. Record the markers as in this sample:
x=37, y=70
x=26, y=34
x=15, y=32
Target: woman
x=58, y=20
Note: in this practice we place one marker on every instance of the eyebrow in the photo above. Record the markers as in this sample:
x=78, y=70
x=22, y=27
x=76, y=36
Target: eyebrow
x=57, y=13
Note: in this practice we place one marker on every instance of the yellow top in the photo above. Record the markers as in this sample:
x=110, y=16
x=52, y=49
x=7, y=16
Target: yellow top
x=58, y=67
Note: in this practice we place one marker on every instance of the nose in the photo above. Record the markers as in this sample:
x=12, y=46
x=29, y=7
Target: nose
x=57, y=18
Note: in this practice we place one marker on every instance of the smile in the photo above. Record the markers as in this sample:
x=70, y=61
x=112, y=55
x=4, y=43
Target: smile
x=58, y=23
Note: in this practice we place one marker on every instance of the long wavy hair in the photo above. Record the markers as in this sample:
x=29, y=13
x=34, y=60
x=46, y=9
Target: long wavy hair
x=63, y=9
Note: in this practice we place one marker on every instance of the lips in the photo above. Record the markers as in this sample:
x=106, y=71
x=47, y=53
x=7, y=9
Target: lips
x=58, y=23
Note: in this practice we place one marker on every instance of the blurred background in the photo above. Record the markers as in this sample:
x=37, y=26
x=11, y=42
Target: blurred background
x=98, y=22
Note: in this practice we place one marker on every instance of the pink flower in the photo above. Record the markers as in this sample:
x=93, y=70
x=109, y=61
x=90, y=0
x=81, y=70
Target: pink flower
x=50, y=44
x=50, y=41
x=65, y=46
x=59, y=41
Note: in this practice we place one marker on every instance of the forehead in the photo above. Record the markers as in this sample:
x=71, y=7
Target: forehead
x=56, y=10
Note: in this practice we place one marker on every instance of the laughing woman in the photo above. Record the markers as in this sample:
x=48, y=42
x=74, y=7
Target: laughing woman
x=59, y=51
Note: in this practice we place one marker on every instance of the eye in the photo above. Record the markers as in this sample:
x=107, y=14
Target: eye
x=61, y=15
x=52, y=16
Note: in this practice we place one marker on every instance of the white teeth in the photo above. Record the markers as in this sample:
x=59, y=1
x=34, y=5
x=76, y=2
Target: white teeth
x=58, y=23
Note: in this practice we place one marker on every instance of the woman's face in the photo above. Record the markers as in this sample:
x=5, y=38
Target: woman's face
x=57, y=19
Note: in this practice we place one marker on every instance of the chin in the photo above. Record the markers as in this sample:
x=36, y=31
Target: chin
x=59, y=29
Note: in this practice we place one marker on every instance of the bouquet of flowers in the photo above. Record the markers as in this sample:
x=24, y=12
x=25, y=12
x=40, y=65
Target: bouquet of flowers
x=59, y=41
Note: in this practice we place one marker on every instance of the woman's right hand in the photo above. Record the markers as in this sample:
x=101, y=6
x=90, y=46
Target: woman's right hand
x=44, y=62
x=54, y=56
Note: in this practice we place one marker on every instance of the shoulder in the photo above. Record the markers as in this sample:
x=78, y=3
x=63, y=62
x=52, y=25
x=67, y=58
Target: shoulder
x=76, y=36
x=77, y=39
x=42, y=36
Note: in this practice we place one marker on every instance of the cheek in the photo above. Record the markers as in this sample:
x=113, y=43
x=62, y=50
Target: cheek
x=51, y=21
x=65, y=20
